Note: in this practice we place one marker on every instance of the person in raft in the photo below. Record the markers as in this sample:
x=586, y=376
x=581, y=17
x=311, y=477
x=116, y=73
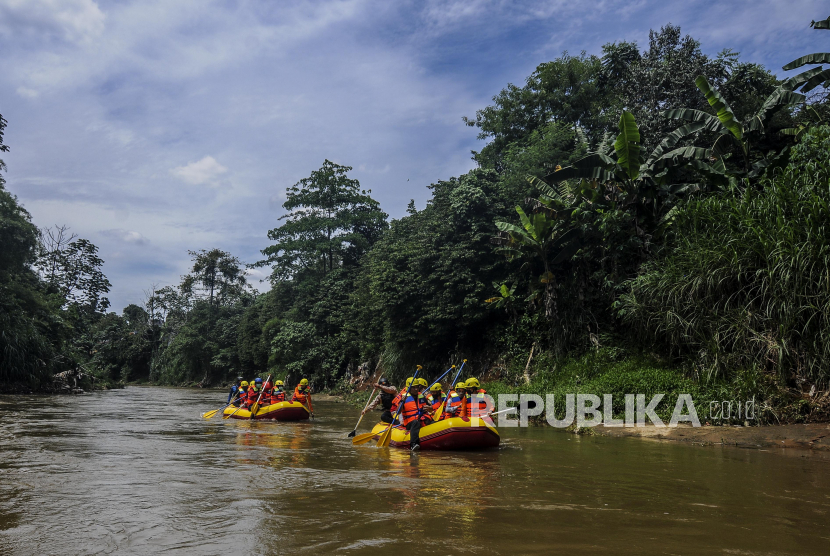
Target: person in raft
x=476, y=403
x=302, y=394
x=437, y=396
x=234, y=393
x=385, y=399
x=455, y=399
x=254, y=389
x=416, y=413
x=278, y=392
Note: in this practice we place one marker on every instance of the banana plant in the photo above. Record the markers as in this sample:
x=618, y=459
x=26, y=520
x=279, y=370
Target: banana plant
x=808, y=80
x=733, y=134
x=542, y=238
x=627, y=181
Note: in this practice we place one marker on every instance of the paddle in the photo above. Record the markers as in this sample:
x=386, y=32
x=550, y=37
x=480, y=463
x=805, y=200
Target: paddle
x=354, y=432
x=229, y=415
x=452, y=385
x=210, y=414
x=386, y=435
x=255, y=407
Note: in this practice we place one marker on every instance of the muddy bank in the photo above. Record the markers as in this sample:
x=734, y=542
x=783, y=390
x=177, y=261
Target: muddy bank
x=812, y=436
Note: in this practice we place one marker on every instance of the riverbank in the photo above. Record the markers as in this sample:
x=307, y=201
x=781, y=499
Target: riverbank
x=810, y=436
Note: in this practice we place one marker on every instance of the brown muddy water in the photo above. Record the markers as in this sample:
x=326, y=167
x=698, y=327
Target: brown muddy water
x=138, y=472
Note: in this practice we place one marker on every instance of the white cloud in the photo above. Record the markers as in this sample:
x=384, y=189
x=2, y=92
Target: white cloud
x=127, y=236
x=69, y=20
x=205, y=171
x=27, y=93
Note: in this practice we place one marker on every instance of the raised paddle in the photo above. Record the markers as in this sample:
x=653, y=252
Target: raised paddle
x=255, y=407
x=386, y=435
x=354, y=432
x=444, y=405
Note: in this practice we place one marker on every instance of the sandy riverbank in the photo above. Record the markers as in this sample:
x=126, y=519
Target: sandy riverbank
x=813, y=436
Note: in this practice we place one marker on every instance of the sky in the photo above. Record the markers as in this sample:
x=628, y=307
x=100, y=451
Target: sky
x=155, y=127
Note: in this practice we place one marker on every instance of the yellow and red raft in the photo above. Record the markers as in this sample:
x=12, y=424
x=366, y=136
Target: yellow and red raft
x=457, y=433
x=282, y=411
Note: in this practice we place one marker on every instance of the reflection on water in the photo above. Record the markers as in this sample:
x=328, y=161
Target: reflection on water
x=137, y=471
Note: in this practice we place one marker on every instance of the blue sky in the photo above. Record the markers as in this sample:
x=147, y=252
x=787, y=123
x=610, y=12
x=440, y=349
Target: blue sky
x=159, y=126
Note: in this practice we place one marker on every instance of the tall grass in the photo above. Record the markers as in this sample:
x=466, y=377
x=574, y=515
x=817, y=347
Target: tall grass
x=747, y=281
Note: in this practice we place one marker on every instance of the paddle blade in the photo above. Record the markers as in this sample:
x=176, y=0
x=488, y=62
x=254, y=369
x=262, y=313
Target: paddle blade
x=351, y=434
x=363, y=438
x=386, y=437
x=210, y=414
x=254, y=409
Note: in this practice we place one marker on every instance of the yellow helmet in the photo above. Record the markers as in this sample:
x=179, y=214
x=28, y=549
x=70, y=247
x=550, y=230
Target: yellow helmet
x=409, y=382
x=423, y=382
x=435, y=387
x=461, y=385
x=243, y=383
x=304, y=382
x=279, y=383
x=472, y=383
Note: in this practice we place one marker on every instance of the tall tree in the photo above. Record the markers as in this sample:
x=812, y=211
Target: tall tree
x=331, y=221
x=216, y=276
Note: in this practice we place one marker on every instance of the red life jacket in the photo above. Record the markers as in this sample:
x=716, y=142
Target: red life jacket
x=253, y=395
x=277, y=396
x=411, y=407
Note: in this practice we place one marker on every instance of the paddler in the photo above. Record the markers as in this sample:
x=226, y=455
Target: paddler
x=415, y=414
x=278, y=393
x=476, y=402
x=234, y=393
x=302, y=394
x=455, y=399
x=397, y=400
x=254, y=389
x=385, y=399
x=437, y=393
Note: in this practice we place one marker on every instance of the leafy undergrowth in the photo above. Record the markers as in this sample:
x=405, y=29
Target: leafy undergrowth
x=615, y=372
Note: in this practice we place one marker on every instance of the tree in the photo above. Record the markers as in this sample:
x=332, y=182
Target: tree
x=330, y=222
x=72, y=269
x=216, y=276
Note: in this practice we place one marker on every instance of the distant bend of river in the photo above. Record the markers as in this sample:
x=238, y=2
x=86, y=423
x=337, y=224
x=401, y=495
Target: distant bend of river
x=137, y=471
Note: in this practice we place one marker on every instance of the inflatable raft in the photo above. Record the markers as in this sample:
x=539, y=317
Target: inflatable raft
x=457, y=433
x=283, y=411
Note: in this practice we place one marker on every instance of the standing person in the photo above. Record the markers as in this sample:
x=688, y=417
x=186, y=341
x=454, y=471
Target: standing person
x=234, y=389
x=437, y=396
x=455, y=401
x=416, y=413
x=385, y=399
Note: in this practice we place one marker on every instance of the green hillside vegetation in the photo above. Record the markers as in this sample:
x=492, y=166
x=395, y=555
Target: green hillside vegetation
x=641, y=221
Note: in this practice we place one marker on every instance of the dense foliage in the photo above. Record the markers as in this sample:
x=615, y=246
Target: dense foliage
x=659, y=213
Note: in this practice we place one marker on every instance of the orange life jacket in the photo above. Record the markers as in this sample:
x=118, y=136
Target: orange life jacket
x=453, y=405
x=412, y=408
x=277, y=396
x=300, y=395
x=397, y=401
x=437, y=401
x=476, y=403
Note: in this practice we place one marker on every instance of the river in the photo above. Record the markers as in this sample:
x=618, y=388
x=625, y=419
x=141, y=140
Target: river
x=137, y=471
